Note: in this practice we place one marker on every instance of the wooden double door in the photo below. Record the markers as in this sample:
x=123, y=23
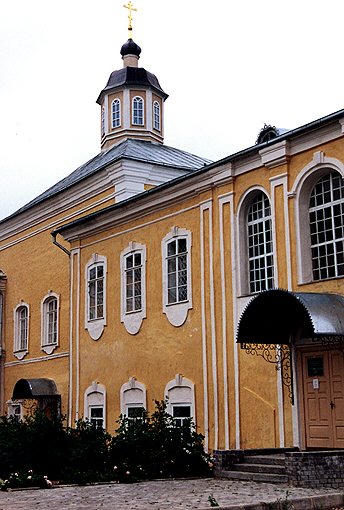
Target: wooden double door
x=322, y=394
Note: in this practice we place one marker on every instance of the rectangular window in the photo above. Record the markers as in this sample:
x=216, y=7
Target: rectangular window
x=177, y=281
x=181, y=414
x=96, y=415
x=133, y=282
x=96, y=292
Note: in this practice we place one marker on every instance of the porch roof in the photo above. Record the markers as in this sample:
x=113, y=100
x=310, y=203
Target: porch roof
x=33, y=388
x=276, y=316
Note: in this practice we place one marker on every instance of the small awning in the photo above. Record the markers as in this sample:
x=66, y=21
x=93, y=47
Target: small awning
x=276, y=316
x=34, y=388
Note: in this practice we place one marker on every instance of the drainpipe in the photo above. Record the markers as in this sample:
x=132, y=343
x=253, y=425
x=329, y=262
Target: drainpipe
x=56, y=243
x=3, y=280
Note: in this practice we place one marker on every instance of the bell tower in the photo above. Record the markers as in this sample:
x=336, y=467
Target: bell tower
x=132, y=102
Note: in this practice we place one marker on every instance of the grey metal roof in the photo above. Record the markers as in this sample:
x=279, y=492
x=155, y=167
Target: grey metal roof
x=29, y=388
x=275, y=316
x=136, y=150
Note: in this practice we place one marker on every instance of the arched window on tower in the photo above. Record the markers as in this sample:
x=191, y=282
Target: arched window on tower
x=156, y=115
x=138, y=111
x=326, y=215
x=260, y=244
x=116, y=113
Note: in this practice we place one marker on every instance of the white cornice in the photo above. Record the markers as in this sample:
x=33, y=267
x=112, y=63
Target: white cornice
x=275, y=155
x=147, y=203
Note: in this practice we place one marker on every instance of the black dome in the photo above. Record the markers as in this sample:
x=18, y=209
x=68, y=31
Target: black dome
x=130, y=48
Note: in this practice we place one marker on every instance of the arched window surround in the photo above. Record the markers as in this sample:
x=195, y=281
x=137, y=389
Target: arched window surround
x=133, y=394
x=320, y=166
x=242, y=244
x=180, y=392
x=95, y=403
x=47, y=317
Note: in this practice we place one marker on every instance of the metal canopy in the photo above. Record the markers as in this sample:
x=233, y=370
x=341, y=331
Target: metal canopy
x=34, y=388
x=275, y=316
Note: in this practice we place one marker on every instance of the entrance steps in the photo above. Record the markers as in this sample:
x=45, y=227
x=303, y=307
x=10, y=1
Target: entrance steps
x=266, y=465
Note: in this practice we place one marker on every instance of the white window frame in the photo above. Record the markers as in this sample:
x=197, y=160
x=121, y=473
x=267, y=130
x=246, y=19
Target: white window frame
x=132, y=394
x=157, y=115
x=95, y=397
x=180, y=391
x=12, y=405
x=176, y=312
x=132, y=320
x=103, y=120
x=18, y=351
x=47, y=346
x=319, y=166
x=116, y=113
x=138, y=113
x=259, y=284
x=95, y=326
x=330, y=246
x=242, y=253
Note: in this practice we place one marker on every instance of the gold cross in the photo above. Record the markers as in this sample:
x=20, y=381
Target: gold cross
x=131, y=8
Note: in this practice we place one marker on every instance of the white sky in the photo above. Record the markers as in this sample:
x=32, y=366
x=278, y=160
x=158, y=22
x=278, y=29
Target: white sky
x=227, y=66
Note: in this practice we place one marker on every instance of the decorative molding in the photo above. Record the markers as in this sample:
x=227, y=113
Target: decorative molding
x=275, y=155
x=175, y=394
x=95, y=395
x=37, y=360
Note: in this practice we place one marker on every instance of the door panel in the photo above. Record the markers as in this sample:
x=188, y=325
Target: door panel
x=323, y=397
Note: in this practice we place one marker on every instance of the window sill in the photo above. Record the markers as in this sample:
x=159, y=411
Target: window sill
x=20, y=354
x=49, y=348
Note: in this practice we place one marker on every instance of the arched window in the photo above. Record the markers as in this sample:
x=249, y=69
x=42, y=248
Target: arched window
x=156, y=115
x=326, y=217
x=103, y=120
x=116, y=113
x=138, y=111
x=260, y=244
x=50, y=311
x=21, y=330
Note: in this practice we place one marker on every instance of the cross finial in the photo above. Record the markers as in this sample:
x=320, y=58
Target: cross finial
x=130, y=7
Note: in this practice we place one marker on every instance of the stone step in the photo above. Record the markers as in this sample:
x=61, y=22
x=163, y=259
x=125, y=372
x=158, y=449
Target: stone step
x=254, y=477
x=278, y=460
x=259, y=468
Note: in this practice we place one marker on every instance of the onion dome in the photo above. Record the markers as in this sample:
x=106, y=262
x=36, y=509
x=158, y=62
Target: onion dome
x=130, y=48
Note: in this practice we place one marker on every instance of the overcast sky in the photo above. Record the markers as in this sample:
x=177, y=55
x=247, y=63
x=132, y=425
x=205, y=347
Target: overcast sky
x=228, y=67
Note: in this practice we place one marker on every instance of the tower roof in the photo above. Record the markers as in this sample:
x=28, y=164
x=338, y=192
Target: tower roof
x=132, y=76
x=130, y=48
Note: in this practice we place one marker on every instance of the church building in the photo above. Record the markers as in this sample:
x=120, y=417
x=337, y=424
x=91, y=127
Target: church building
x=150, y=272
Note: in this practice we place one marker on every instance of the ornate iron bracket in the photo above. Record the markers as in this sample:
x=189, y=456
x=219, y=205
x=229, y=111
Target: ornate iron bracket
x=330, y=341
x=280, y=355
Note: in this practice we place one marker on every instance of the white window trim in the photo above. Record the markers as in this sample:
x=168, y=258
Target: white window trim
x=13, y=403
x=301, y=191
x=119, y=111
x=132, y=384
x=95, y=327
x=92, y=391
x=156, y=103
x=20, y=353
x=133, y=320
x=49, y=348
x=176, y=313
x=143, y=111
x=180, y=382
x=242, y=244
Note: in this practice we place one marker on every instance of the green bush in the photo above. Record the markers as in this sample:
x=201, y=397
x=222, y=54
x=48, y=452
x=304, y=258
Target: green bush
x=39, y=448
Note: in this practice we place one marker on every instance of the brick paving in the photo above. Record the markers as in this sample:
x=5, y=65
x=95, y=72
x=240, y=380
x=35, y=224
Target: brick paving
x=157, y=495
